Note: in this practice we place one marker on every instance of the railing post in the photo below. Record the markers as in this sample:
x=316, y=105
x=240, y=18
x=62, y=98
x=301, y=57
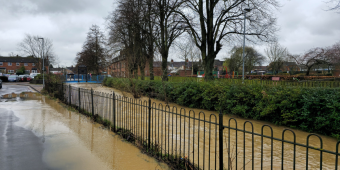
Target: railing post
x=69, y=94
x=220, y=136
x=92, y=102
x=149, y=125
x=114, y=111
x=79, y=98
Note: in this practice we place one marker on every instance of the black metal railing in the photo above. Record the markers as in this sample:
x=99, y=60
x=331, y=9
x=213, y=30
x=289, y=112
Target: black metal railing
x=194, y=140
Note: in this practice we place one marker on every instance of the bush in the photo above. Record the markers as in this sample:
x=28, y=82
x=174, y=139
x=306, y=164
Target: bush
x=309, y=109
x=283, y=74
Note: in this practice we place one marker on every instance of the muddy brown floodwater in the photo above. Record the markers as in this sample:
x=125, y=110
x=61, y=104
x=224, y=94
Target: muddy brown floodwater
x=237, y=141
x=71, y=140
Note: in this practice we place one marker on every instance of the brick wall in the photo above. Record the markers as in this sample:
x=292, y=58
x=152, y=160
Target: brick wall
x=15, y=67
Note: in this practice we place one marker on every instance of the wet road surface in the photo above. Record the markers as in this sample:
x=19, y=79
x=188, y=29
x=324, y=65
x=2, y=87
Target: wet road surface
x=38, y=133
x=8, y=88
x=19, y=147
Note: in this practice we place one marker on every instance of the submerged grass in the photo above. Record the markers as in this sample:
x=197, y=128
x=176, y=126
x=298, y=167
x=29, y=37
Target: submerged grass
x=172, y=160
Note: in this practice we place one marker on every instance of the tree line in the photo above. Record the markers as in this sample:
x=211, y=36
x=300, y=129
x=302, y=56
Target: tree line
x=138, y=30
x=277, y=56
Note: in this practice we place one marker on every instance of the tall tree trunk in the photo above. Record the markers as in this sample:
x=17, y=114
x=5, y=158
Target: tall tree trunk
x=142, y=69
x=151, y=42
x=164, y=67
x=151, y=67
x=136, y=72
x=308, y=70
x=208, y=68
x=185, y=67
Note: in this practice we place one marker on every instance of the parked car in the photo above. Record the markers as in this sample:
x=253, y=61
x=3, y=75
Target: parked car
x=0, y=84
x=13, y=78
x=21, y=77
x=24, y=78
x=32, y=75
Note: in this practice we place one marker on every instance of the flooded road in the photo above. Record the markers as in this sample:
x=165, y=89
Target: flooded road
x=195, y=139
x=62, y=139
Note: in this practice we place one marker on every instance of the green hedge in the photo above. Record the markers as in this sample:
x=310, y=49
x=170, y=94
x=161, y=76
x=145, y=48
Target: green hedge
x=310, y=109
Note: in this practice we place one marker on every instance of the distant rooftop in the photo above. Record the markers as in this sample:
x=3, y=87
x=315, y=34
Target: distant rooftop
x=18, y=59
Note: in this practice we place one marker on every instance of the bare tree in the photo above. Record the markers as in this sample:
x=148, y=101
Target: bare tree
x=332, y=56
x=312, y=58
x=32, y=46
x=189, y=51
x=11, y=54
x=170, y=26
x=212, y=22
x=129, y=30
x=277, y=55
x=334, y=5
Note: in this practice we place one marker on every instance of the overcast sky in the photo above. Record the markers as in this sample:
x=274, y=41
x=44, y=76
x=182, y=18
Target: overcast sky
x=304, y=24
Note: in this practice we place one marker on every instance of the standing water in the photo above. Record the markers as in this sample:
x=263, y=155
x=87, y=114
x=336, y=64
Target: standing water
x=70, y=140
x=173, y=132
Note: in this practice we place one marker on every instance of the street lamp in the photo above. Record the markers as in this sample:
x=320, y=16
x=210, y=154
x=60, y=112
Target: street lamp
x=43, y=61
x=244, y=39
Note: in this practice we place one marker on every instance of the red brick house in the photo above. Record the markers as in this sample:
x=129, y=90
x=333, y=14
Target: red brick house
x=10, y=65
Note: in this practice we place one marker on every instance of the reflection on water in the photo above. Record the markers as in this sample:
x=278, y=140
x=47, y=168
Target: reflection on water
x=191, y=138
x=71, y=140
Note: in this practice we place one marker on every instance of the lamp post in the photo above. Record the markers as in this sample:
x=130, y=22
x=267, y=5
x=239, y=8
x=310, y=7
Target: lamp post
x=43, y=61
x=244, y=39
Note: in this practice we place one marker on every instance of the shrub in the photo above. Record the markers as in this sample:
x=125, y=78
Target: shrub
x=310, y=109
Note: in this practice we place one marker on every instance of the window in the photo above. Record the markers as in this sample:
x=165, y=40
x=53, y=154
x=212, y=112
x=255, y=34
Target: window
x=33, y=64
x=18, y=64
x=27, y=71
x=9, y=64
x=26, y=64
x=10, y=71
x=34, y=71
x=1, y=63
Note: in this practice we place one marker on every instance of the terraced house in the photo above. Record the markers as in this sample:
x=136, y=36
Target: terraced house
x=10, y=65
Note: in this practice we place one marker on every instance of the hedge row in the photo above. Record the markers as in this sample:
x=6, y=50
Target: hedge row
x=310, y=109
x=286, y=77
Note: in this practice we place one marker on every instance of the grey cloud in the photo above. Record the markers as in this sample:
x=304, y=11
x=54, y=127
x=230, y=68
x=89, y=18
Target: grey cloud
x=49, y=6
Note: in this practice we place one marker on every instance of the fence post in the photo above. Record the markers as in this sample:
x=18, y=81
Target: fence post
x=220, y=136
x=79, y=98
x=69, y=94
x=92, y=102
x=149, y=125
x=114, y=111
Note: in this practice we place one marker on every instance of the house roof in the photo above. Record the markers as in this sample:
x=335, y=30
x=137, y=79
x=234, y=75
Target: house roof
x=18, y=59
x=289, y=64
x=218, y=63
x=56, y=69
x=179, y=64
